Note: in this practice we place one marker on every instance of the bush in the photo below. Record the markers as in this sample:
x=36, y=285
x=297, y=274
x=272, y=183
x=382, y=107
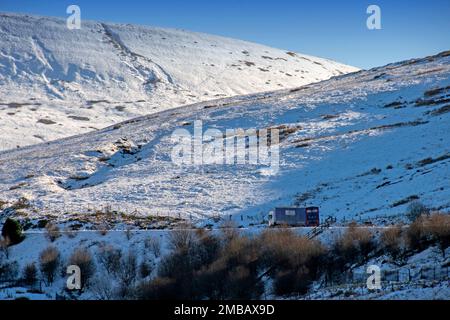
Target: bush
x=293, y=261
x=157, y=289
x=110, y=258
x=30, y=274
x=52, y=231
x=181, y=239
x=127, y=275
x=392, y=242
x=154, y=245
x=12, y=232
x=83, y=259
x=49, y=261
x=204, y=267
x=4, y=248
x=145, y=269
x=416, y=235
x=233, y=274
x=102, y=288
x=415, y=210
x=438, y=227
x=292, y=281
x=9, y=271
x=353, y=246
x=128, y=269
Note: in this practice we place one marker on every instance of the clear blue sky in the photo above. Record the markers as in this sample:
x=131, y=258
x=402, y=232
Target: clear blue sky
x=324, y=28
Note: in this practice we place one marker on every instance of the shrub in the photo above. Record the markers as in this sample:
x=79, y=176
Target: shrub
x=49, y=261
x=178, y=266
x=9, y=271
x=293, y=261
x=22, y=203
x=285, y=248
x=128, y=269
x=83, y=259
x=353, y=246
x=392, y=241
x=102, y=288
x=154, y=245
x=416, y=235
x=192, y=251
x=438, y=227
x=206, y=248
x=415, y=210
x=292, y=281
x=181, y=239
x=234, y=273
x=4, y=248
x=30, y=274
x=110, y=258
x=157, y=289
x=103, y=229
x=52, y=231
x=229, y=231
x=145, y=269
x=12, y=232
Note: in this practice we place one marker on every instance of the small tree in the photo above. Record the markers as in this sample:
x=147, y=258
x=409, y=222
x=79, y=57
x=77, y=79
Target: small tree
x=127, y=275
x=30, y=274
x=12, y=231
x=49, y=261
x=415, y=210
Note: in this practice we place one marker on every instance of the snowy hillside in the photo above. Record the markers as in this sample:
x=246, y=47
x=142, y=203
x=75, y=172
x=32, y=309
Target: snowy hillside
x=358, y=146
x=56, y=82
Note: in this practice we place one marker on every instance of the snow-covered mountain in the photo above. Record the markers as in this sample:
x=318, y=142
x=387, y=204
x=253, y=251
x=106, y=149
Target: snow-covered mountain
x=362, y=145
x=56, y=82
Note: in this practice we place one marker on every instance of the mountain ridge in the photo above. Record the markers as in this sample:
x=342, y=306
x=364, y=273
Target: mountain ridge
x=56, y=82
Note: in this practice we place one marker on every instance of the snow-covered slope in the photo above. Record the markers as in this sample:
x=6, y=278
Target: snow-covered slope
x=56, y=82
x=358, y=146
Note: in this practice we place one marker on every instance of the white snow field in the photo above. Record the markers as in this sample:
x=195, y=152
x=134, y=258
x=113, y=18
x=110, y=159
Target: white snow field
x=56, y=82
x=360, y=146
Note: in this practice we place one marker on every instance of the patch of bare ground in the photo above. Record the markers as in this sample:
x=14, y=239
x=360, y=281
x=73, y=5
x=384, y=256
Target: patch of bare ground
x=302, y=141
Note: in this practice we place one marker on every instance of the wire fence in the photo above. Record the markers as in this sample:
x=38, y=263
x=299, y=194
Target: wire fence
x=388, y=278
